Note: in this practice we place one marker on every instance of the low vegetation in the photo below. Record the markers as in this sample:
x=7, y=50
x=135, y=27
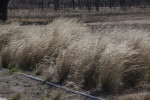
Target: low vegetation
x=111, y=59
x=14, y=70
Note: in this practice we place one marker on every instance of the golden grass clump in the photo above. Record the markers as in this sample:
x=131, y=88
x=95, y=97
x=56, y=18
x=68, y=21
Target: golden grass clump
x=30, y=44
x=110, y=58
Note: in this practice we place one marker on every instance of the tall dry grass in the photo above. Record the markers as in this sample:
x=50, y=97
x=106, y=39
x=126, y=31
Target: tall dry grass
x=137, y=96
x=110, y=58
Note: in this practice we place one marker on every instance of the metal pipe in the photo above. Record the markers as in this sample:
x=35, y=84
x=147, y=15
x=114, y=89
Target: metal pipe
x=61, y=87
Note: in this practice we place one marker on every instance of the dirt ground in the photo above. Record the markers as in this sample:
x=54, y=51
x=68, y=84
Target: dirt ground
x=13, y=84
x=10, y=84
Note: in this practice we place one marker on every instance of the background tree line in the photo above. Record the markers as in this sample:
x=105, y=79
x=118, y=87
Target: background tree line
x=74, y=4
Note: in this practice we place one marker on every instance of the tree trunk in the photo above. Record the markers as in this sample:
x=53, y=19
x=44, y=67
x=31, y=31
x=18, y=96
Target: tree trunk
x=89, y=5
x=56, y=5
x=110, y=3
x=42, y=5
x=79, y=2
x=3, y=10
x=73, y=4
x=97, y=3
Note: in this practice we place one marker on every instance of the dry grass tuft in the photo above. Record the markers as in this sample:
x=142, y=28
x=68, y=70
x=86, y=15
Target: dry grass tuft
x=109, y=58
